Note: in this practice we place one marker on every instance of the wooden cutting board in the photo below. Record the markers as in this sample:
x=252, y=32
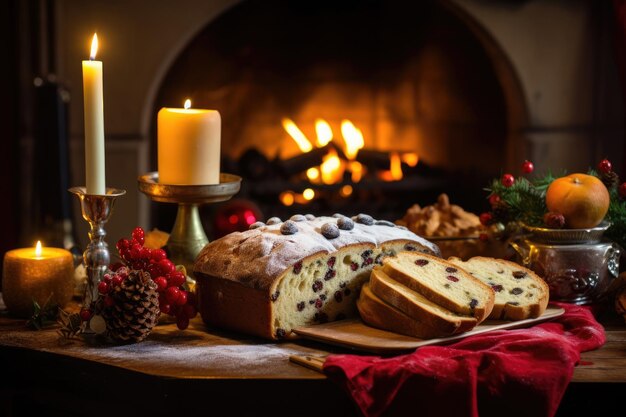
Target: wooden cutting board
x=354, y=334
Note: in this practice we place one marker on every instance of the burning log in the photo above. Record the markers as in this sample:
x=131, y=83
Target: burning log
x=302, y=162
x=374, y=160
x=253, y=164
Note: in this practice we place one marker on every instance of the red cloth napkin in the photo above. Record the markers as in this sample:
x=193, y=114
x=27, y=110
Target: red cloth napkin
x=509, y=373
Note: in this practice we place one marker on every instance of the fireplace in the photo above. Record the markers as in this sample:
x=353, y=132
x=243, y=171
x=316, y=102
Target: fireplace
x=467, y=88
x=352, y=106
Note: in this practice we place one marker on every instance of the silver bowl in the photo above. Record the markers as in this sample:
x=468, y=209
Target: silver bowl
x=573, y=236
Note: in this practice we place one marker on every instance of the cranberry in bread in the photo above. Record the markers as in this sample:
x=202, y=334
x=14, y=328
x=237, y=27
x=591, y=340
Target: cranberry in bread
x=281, y=275
x=442, y=282
x=520, y=293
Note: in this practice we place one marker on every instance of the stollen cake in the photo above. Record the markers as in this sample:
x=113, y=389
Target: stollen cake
x=376, y=313
x=281, y=275
x=416, y=306
x=520, y=293
x=442, y=282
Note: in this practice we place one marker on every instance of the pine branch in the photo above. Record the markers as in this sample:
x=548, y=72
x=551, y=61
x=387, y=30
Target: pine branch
x=524, y=202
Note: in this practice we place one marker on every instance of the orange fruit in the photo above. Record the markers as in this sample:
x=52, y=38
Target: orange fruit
x=582, y=199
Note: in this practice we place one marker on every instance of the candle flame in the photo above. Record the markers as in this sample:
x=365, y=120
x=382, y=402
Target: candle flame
x=187, y=104
x=94, y=47
x=38, y=248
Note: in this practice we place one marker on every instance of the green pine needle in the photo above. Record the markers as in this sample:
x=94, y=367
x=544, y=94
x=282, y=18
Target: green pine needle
x=525, y=201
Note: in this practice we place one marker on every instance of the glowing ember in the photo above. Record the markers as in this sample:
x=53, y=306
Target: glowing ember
x=346, y=191
x=332, y=168
x=410, y=158
x=308, y=194
x=353, y=139
x=356, y=168
x=313, y=174
x=287, y=198
x=324, y=132
x=303, y=143
x=395, y=166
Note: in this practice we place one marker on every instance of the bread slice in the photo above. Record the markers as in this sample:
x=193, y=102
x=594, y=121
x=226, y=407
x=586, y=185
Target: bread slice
x=442, y=282
x=520, y=293
x=376, y=313
x=417, y=306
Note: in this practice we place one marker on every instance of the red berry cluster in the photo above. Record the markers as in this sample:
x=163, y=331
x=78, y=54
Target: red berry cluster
x=173, y=298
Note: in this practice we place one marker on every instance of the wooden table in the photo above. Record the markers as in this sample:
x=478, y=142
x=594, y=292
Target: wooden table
x=208, y=372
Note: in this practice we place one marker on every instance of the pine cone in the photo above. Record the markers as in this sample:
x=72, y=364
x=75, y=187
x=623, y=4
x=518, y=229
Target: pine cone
x=135, y=310
x=610, y=179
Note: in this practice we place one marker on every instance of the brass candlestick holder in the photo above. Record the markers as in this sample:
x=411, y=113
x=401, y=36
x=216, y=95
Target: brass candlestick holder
x=188, y=237
x=97, y=210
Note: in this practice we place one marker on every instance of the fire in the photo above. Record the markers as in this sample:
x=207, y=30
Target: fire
x=38, y=249
x=410, y=158
x=332, y=168
x=353, y=139
x=356, y=168
x=303, y=143
x=324, y=132
x=395, y=168
x=313, y=174
x=287, y=198
x=94, y=47
x=346, y=191
x=308, y=194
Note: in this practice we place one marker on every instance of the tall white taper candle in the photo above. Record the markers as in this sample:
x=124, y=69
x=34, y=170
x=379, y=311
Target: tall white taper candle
x=94, y=122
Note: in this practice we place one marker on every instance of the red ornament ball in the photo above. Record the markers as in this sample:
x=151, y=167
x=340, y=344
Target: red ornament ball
x=485, y=219
x=605, y=166
x=507, y=180
x=494, y=200
x=528, y=167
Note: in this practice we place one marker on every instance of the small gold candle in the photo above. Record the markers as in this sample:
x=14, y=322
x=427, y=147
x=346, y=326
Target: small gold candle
x=36, y=274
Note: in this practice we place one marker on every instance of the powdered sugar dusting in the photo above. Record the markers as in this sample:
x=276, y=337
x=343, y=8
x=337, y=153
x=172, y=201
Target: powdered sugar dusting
x=255, y=359
x=257, y=257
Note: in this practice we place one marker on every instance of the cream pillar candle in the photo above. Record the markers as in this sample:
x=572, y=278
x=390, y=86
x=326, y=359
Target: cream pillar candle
x=36, y=274
x=189, y=146
x=94, y=122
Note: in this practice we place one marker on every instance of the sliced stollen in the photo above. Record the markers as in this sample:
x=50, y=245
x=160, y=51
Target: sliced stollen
x=417, y=306
x=376, y=313
x=520, y=293
x=442, y=282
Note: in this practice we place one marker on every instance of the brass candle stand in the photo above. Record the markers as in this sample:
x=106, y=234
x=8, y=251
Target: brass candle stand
x=187, y=237
x=96, y=210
